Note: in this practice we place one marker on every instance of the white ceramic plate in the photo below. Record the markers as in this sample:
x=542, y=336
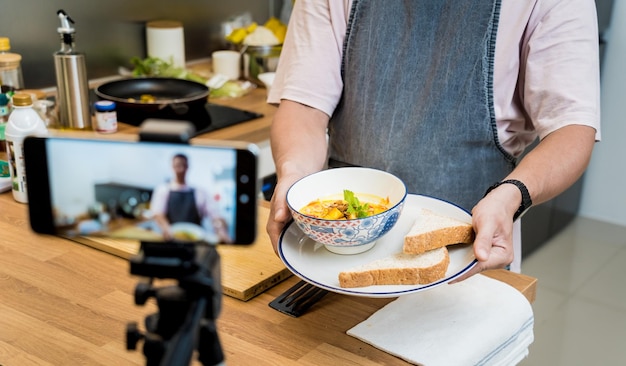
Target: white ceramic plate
x=312, y=262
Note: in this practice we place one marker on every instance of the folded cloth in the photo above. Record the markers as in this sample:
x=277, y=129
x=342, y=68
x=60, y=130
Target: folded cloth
x=479, y=321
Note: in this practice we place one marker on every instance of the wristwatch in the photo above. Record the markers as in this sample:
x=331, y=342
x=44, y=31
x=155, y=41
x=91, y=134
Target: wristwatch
x=526, y=200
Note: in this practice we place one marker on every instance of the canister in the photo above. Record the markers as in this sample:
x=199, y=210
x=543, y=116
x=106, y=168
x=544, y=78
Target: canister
x=106, y=116
x=165, y=39
x=11, y=72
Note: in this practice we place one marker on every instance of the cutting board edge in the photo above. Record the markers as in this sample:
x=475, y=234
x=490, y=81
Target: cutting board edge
x=125, y=249
x=258, y=289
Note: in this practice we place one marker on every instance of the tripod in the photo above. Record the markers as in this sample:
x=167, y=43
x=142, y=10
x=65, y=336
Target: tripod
x=187, y=311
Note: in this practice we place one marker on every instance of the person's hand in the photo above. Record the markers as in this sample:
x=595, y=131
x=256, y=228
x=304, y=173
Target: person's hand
x=167, y=234
x=492, y=219
x=221, y=229
x=279, y=212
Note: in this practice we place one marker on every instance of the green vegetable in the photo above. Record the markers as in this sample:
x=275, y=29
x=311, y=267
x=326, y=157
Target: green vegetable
x=154, y=66
x=354, y=206
x=230, y=89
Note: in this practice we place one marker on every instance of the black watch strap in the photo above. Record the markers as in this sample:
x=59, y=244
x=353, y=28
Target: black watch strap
x=526, y=200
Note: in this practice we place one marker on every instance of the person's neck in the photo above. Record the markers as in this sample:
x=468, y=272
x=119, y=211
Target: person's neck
x=180, y=179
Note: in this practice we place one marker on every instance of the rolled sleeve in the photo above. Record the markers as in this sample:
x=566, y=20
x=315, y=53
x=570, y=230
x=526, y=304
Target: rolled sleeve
x=309, y=68
x=562, y=82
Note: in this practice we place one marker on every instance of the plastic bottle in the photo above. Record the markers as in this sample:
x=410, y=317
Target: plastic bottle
x=71, y=79
x=23, y=121
x=10, y=68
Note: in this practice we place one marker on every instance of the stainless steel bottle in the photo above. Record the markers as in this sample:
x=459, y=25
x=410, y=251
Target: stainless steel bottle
x=72, y=82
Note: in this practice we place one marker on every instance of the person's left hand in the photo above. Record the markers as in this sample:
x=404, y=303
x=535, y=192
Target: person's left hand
x=492, y=219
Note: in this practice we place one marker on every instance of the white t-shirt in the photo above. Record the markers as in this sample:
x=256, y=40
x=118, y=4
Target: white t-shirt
x=546, y=65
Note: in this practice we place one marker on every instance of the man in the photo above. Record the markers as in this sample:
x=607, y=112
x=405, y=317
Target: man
x=178, y=202
x=446, y=95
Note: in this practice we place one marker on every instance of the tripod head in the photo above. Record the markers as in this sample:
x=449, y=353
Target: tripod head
x=187, y=310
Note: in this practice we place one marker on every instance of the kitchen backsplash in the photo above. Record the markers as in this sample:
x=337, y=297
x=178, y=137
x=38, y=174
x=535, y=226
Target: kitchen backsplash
x=111, y=32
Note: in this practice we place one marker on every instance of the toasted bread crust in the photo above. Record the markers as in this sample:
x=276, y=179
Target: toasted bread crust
x=395, y=276
x=417, y=244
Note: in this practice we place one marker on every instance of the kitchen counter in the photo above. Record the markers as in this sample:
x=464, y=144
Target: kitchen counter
x=255, y=131
x=66, y=303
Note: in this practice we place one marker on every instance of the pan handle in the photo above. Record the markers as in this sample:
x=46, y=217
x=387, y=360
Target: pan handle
x=178, y=108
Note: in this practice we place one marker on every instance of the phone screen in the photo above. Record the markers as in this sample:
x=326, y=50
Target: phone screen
x=149, y=191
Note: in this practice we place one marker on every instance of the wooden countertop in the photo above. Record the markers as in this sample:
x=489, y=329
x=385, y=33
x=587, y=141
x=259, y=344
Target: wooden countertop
x=66, y=303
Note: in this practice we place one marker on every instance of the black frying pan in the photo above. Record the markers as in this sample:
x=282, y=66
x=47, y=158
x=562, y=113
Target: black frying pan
x=174, y=98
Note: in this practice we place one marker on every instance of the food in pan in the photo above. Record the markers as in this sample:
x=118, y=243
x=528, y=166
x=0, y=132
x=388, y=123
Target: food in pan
x=144, y=98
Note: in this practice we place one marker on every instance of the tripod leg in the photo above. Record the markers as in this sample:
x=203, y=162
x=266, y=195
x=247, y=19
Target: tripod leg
x=209, y=347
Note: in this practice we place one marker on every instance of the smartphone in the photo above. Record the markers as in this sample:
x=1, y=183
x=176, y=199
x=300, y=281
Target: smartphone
x=144, y=190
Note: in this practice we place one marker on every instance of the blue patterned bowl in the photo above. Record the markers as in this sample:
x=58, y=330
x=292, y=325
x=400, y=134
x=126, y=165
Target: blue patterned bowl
x=347, y=236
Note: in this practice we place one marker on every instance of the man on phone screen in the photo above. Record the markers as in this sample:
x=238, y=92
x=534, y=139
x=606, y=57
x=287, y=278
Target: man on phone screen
x=177, y=201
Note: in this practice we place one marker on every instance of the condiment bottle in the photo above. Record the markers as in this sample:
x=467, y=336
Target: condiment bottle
x=23, y=121
x=4, y=108
x=106, y=116
x=5, y=176
x=10, y=68
x=71, y=78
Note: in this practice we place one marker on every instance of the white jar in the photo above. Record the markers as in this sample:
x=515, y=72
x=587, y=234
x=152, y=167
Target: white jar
x=106, y=116
x=23, y=121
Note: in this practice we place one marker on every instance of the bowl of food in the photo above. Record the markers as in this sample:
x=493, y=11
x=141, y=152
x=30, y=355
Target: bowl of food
x=347, y=209
x=187, y=232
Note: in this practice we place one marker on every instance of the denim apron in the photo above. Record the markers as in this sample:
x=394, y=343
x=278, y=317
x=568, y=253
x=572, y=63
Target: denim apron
x=181, y=207
x=418, y=96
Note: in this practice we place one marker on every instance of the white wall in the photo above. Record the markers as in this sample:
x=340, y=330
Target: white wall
x=604, y=189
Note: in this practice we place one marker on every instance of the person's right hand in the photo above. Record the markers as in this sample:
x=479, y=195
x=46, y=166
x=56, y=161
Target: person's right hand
x=299, y=147
x=279, y=212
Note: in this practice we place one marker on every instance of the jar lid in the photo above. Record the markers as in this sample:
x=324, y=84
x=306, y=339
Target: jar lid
x=104, y=106
x=22, y=100
x=5, y=44
x=10, y=59
x=164, y=24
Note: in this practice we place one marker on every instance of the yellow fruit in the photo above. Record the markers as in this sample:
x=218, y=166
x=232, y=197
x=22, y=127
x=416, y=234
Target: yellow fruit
x=237, y=35
x=277, y=27
x=280, y=33
x=272, y=23
x=251, y=27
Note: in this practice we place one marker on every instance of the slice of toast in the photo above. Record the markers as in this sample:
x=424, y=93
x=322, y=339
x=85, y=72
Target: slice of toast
x=399, y=269
x=431, y=231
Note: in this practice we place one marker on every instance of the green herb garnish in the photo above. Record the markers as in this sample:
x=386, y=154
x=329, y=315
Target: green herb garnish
x=354, y=206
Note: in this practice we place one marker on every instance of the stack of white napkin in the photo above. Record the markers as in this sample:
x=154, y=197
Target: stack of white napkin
x=479, y=321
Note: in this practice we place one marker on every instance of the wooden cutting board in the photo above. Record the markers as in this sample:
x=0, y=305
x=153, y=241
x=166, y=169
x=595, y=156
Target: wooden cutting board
x=247, y=270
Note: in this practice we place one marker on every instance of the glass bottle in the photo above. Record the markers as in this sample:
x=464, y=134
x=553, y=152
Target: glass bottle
x=11, y=78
